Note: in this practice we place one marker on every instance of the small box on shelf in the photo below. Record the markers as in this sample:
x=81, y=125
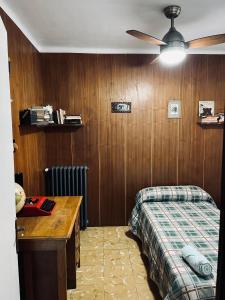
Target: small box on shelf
x=212, y=121
x=37, y=115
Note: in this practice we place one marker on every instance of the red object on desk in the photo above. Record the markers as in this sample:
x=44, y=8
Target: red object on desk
x=32, y=207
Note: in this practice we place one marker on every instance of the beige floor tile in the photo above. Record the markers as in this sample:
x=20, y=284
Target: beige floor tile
x=116, y=252
x=141, y=278
x=140, y=271
x=115, y=232
x=68, y=294
x=117, y=229
x=116, y=257
x=116, y=261
x=126, y=280
x=113, y=236
x=91, y=236
x=90, y=275
x=95, y=228
x=92, y=233
x=91, y=244
x=108, y=228
x=117, y=274
x=112, y=228
x=138, y=268
x=144, y=292
x=115, y=244
x=148, y=291
x=132, y=240
x=98, y=252
x=88, y=293
x=133, y=245
x=91, y=257
x=134, y=251
x=120, y=292
x=111, y=267
x=136, y=259
x=118, y=269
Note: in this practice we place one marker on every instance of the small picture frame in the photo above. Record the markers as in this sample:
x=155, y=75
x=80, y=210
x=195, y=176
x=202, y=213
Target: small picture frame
x=121, y=107
x=206, y=108
x=174, y=109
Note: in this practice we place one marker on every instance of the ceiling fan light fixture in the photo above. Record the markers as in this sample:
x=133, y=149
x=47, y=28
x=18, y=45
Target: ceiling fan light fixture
x=173, y=45
x=172, y=56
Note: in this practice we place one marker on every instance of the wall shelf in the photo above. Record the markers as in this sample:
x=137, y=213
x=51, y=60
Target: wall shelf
x=57, y=118
x=211, y=125
x=51, y=125
x=30, y=128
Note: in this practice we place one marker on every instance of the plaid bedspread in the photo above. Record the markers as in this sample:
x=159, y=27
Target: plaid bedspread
x=166, y=219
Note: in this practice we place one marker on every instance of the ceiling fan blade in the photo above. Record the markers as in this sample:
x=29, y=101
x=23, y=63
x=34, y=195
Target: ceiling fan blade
x=207, y=41
x=146, y=37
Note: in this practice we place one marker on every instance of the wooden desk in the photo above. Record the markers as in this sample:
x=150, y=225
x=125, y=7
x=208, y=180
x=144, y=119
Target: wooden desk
x=49, y=250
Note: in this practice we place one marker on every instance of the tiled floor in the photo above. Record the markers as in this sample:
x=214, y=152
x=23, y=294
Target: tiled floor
x=111, y=267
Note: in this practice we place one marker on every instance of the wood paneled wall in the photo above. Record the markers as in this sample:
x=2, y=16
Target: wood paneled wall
x=26, y=90
x=126, y=152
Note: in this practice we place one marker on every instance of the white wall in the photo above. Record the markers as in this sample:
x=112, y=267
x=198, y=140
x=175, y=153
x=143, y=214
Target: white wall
x=9, y=285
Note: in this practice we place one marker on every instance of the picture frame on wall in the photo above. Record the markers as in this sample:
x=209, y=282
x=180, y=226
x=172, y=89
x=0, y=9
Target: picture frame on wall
x=121, y=107
x=174, y=109
x=206, y=108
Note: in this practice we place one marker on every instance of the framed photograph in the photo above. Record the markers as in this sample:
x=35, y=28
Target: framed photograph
x=174, y=109
x=121, y=107
x=206, y=108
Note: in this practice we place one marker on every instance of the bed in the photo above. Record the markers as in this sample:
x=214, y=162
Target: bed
x=167, y=218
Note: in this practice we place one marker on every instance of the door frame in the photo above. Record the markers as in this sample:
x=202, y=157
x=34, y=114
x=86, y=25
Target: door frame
x=9, y=278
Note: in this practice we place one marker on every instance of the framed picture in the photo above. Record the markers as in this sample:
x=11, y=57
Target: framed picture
x=206, y=108
x=174, y=109
x=121, y=107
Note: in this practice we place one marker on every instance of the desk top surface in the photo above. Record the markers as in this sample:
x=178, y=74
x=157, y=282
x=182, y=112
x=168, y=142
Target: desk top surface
x=58, y=225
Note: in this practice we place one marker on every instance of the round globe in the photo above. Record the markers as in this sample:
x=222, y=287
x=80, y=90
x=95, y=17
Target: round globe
x=172, y=56
x=20, y=197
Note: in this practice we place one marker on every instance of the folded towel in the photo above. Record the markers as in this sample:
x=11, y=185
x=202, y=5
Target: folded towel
x=196, y=260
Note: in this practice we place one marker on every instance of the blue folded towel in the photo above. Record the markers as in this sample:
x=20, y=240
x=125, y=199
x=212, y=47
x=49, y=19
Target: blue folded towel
x=196, y=260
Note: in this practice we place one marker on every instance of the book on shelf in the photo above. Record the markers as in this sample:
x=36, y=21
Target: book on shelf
x=56, y=116
x=59, y=116
x=73, y=120
x=73, y=117
x=62, y=114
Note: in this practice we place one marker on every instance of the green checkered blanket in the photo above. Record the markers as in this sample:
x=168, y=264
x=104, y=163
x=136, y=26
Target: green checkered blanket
x=166, y=219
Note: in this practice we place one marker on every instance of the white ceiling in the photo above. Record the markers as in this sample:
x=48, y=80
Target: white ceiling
x=98, y=26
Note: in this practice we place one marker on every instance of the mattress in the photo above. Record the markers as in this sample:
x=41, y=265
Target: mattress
x=165, y=219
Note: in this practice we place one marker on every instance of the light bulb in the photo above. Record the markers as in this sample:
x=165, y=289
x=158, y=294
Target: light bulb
x=172, y=56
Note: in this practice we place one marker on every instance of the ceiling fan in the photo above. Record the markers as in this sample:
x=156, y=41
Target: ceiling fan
x=173, y=46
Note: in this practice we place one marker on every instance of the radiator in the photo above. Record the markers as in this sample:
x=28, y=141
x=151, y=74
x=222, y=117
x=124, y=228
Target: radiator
x=69, y=181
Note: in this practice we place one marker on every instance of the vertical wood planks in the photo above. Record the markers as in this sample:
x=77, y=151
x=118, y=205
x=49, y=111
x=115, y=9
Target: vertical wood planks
x=126, y=152
x=26, y=90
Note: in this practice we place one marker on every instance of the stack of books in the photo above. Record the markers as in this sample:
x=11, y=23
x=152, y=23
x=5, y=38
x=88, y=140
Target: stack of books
x=59, y=116
x=73, y=120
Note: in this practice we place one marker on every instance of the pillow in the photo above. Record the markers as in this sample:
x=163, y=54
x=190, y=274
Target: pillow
x=173, y=193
